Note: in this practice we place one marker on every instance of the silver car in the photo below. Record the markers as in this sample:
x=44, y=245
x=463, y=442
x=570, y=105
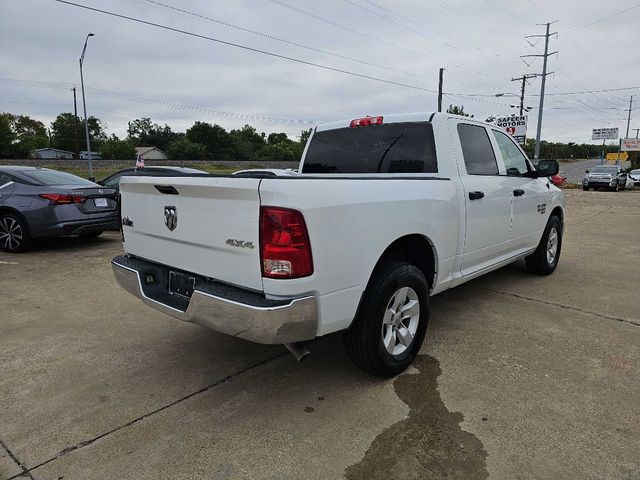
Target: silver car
x=40, y=202
x=605, y=176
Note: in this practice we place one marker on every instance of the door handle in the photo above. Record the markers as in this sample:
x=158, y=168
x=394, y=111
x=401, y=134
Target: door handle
x=476, y=195
x=518, y=192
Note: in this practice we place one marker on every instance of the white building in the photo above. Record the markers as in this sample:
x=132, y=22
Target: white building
x=94, y=155
x=51, y=153
x=151, y=153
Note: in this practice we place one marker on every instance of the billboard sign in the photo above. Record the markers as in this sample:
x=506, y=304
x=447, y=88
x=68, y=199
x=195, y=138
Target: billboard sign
x=604, y=134
x=630, y=145
x=515, y=125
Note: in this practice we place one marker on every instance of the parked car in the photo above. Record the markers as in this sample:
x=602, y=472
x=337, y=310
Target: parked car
x=605, y=176
x=113, y=180
x=385, y=212
x=634, y=175
x=559, y=180
x=265, y=172
x=40, y=202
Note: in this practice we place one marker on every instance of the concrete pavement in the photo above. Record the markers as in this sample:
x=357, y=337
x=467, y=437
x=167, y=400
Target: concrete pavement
x=520, y=377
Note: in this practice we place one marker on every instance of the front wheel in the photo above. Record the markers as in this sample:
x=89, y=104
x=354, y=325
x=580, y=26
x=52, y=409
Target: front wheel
x=586, y=189
x=14, y=234
x=545, y=259
x=391, y=323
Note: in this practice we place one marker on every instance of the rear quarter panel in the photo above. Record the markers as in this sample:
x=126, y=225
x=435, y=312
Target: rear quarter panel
x=351, y=222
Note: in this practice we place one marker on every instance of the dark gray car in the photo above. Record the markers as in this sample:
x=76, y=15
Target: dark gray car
x=40, y=202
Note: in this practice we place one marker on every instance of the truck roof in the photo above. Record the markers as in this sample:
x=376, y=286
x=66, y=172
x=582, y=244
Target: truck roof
x=396, y=118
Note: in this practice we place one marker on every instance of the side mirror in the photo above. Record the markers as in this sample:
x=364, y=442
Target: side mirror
x=548, y=168
x=586, y=171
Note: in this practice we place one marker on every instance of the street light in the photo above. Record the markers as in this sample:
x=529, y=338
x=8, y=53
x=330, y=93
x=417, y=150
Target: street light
x=84, y=106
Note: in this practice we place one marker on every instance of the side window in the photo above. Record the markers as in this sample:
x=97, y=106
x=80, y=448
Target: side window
x=514, y=161
x=4, y=179
x=113, y=182
x=477, y=151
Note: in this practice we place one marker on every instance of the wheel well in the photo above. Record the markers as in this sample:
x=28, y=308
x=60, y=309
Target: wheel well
x=15, y=212
x=417, y=250
x=558, y=213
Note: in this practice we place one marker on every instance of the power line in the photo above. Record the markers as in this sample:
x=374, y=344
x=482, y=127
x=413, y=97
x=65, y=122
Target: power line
x=266, y=52
x=602, y=19
x=346, y=28
x=278, y=39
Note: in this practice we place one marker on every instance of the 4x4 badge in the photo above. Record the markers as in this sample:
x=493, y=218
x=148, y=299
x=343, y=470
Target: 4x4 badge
x=171, y=217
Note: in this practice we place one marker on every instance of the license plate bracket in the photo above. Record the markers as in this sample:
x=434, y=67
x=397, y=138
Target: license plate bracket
x=181, y=284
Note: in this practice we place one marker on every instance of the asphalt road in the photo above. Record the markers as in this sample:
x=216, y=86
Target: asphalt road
x=574, y=171
x=520, y=377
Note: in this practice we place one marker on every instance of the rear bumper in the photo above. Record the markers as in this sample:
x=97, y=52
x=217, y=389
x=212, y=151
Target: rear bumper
x=221, y=307
x=78, y=227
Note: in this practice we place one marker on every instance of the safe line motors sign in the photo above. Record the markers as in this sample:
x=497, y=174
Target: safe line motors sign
x=604, y=134
x=515, y=125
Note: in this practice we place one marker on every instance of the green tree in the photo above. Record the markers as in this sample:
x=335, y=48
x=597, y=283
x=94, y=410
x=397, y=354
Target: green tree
x=184, y=149
x=458, y=110
x=63, y=132
x=28, y=134
x=144, y=133
x=247, y=142
x=115, y=149
x=217, y=142
x=7, y=137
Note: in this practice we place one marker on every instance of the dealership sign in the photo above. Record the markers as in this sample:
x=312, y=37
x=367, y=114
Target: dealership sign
x=515, y=125
x=604, y=134
x=630, y=144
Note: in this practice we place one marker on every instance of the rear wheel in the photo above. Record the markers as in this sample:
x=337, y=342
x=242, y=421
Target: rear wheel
x=388, y=331
x=14, y=234
x=545, y=259
x=586, y=189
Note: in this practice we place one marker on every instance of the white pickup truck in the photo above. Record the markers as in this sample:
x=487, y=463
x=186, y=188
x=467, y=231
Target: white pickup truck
x=384, y=212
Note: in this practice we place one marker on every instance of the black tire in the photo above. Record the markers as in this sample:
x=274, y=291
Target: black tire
x=14, y=234
x=94, y=234
x=364, y=341
x=586, y=189
x=538, y=262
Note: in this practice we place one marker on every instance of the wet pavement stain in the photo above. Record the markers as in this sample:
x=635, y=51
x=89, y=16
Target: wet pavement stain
x=429, y=443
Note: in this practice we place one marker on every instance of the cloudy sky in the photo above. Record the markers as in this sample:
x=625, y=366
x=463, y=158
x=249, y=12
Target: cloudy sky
x=134, y=70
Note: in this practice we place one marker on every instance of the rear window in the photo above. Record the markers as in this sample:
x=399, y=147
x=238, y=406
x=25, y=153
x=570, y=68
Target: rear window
x=53, y=177
x=479, y=158
x=390, y=148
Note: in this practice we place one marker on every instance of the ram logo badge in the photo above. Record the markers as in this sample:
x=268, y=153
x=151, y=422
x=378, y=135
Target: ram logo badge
x=542, y=208
x=239, y=243
x=171, y=217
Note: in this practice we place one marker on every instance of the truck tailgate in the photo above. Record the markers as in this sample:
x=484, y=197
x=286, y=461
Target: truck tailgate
x=216, y=231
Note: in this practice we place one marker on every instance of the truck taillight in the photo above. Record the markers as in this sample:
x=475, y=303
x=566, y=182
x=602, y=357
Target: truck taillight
x=362, y=122
x=63, y=198
x=285, y=249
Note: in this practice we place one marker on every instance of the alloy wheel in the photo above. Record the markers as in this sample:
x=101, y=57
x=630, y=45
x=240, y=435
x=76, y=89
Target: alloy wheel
x=11, y=234
x=400, y=321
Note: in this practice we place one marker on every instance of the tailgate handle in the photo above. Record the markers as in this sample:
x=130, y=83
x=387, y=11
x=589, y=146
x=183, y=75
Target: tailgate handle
x=167, y=189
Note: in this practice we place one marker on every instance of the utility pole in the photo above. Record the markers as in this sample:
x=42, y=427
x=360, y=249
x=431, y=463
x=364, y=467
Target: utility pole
x=544, y=74
x=440, y=75
x=524, y=79
x=84, y=105
x=628, y=122
x=75, y=119
x=637, y=130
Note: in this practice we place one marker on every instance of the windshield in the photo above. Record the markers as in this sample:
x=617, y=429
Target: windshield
x=390, y=148
x=612, y=170
x=53, y=177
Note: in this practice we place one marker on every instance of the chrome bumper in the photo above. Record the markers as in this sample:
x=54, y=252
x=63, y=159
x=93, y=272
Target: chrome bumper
x=264, y=321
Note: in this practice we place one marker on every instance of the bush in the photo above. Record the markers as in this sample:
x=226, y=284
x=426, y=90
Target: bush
x=184, y=149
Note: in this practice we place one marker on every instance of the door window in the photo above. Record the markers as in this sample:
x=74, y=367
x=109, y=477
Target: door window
x=479, y=158
x=4, y=179
x=514, y=161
